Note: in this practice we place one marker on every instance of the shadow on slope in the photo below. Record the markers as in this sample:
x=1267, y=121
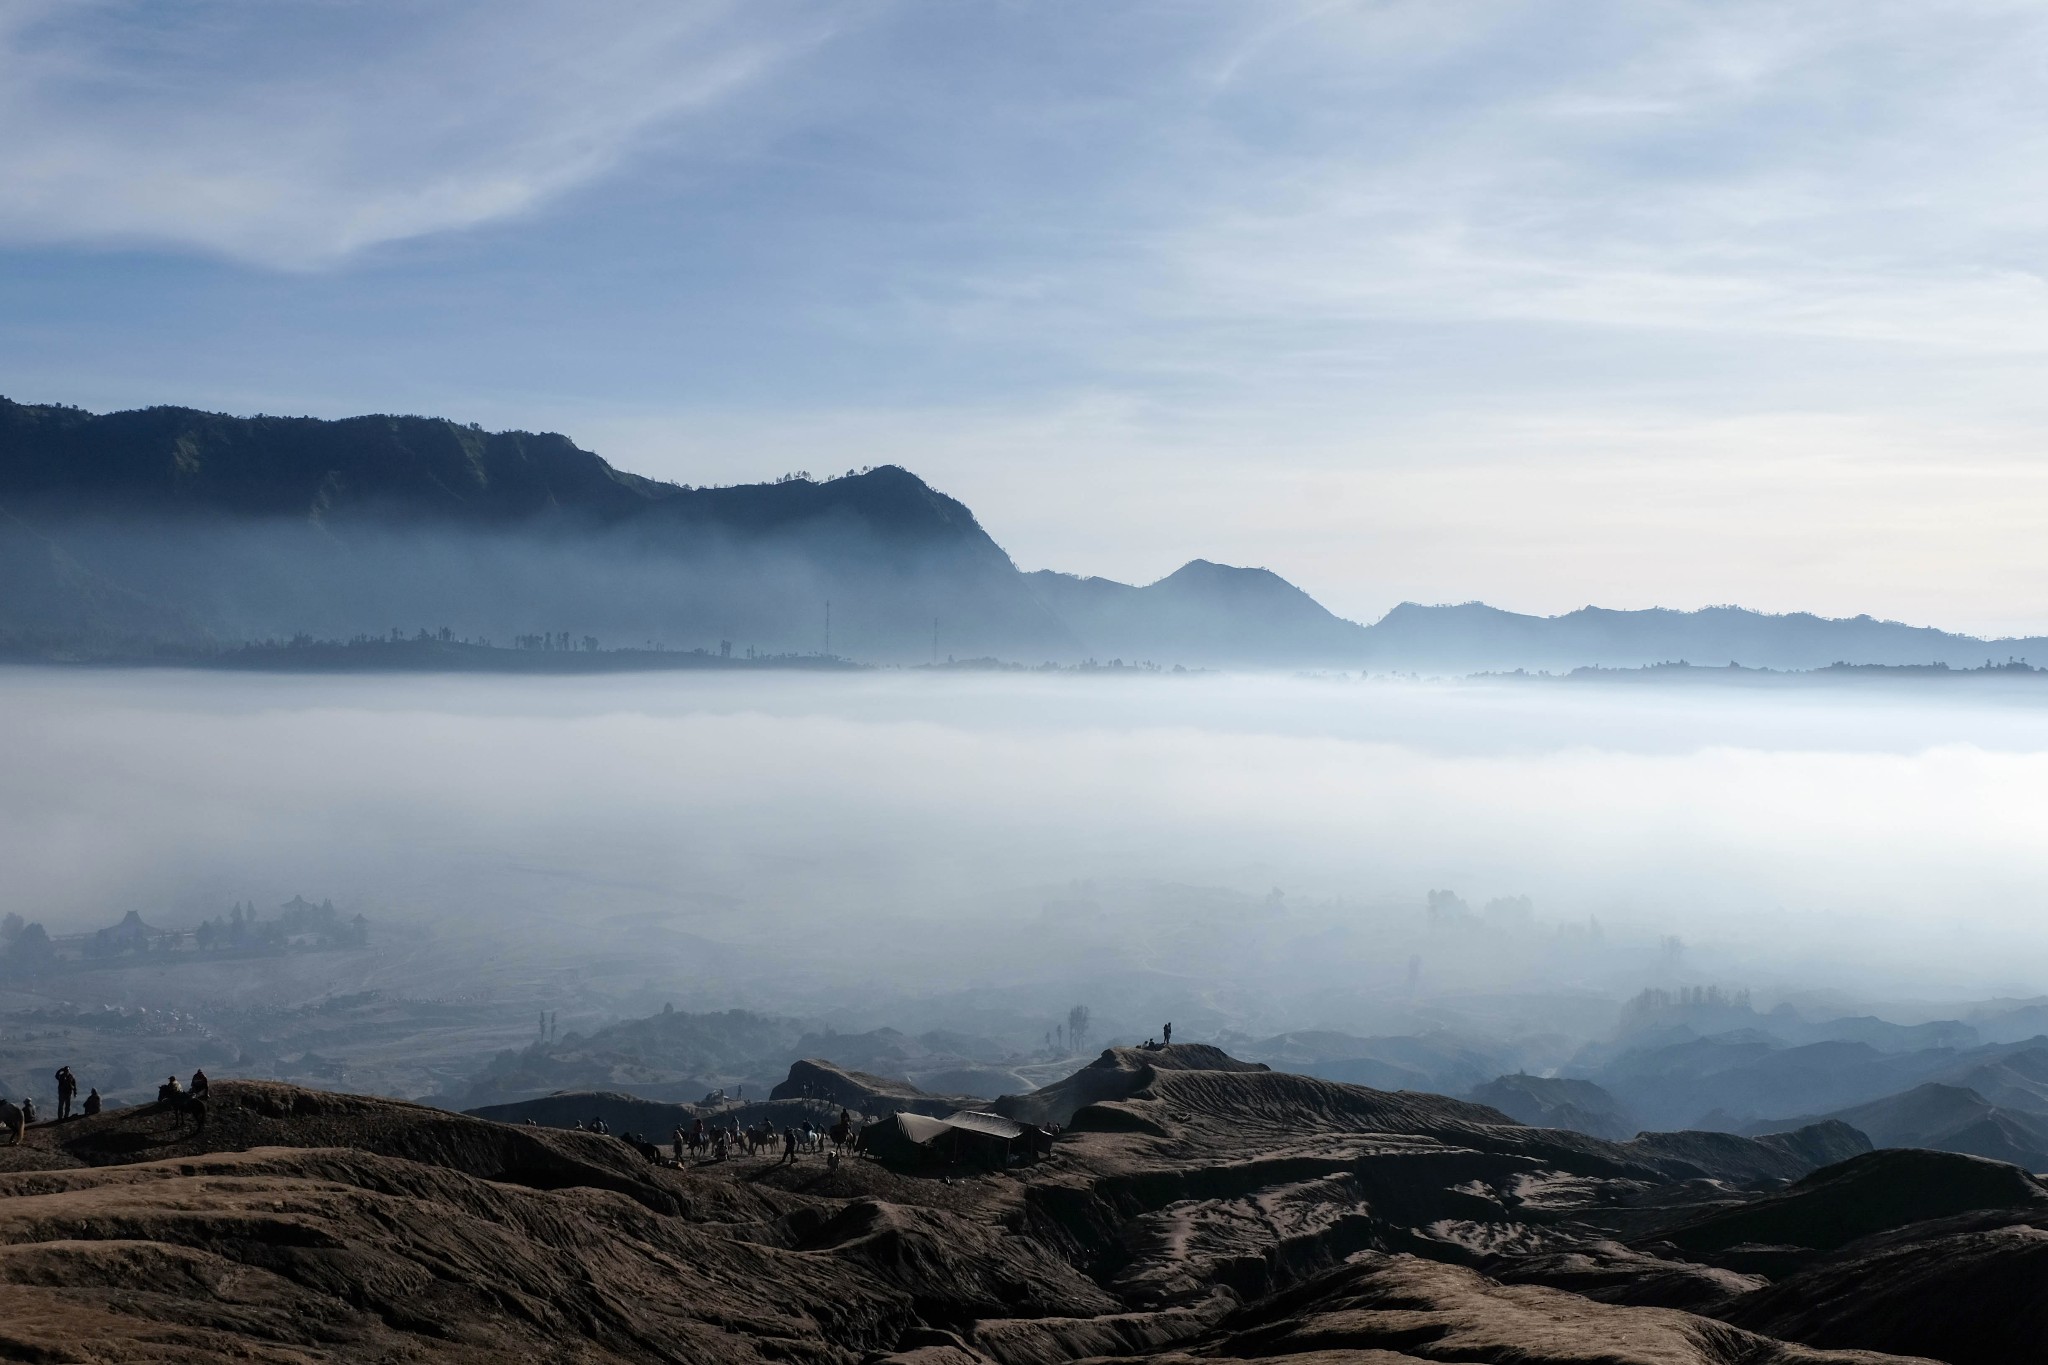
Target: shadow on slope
x=1868, y=1194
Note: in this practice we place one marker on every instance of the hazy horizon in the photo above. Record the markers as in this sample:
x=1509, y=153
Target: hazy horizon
x=1881, y=845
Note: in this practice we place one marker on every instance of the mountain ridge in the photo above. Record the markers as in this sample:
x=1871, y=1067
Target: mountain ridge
x=171, y=525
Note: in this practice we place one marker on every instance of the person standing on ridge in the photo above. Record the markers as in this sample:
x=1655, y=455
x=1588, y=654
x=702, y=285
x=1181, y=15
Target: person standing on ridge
x=67, y=1090
x=1166, y=1037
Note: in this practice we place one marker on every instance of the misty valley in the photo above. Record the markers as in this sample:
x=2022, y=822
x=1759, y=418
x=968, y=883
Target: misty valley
x=1234, y=1007
x=464, y=901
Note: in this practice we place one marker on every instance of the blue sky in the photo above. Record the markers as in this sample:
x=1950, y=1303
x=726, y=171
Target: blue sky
x=1546, y=304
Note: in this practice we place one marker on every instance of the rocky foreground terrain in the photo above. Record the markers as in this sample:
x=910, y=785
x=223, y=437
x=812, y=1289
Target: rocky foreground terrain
x=1195, y=1208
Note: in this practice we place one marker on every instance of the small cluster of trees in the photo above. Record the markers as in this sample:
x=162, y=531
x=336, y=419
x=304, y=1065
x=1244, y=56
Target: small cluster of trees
x=1655, y=1004
x=1066, y=1039
x=804, y=476
x=298, y=918
x=558, y=641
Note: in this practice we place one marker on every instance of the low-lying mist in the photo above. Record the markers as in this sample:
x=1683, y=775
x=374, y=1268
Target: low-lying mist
x=1261, y=849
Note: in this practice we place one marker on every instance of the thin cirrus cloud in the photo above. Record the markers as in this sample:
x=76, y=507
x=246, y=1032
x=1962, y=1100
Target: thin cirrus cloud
x=296, y=135
x=1847, y=172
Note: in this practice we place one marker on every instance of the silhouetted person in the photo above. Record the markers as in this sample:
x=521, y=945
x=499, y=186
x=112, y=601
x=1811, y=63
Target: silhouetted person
x=1167, y=1037
x=28, y=1109
x=170, y=1092
x=198, y=1087
x=67, y=1090
x=789, y=1144
x=92, y=1102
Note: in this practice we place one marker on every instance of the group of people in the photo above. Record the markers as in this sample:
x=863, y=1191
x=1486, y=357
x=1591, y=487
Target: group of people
x=171, y=1091
x=718, y=1141
x=67, y=1097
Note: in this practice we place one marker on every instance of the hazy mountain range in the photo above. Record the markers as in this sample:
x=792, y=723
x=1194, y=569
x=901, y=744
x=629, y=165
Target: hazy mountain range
x=172, y=526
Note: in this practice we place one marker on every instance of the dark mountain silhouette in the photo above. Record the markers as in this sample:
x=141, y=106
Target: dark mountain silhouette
x=1748, y=1161
x=1556, y=1102
x=1962, y=1289
x=1474, y=637
x=170, y=526
x=1872, y=1193
x=2011, y=1080
x=1212, y=613
x=1751, y=1074
x=1944, y=1118
x=265, y=526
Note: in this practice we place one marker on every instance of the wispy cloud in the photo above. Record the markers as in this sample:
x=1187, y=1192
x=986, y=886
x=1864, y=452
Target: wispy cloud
x=295, y=134
x=1846, y=171
x=1407, y=298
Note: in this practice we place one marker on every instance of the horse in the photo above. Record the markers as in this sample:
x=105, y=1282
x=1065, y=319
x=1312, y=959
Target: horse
x=185, y=1105
x=13, y=1121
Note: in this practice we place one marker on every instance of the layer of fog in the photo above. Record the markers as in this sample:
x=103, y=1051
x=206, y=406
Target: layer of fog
x=1260, y=848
